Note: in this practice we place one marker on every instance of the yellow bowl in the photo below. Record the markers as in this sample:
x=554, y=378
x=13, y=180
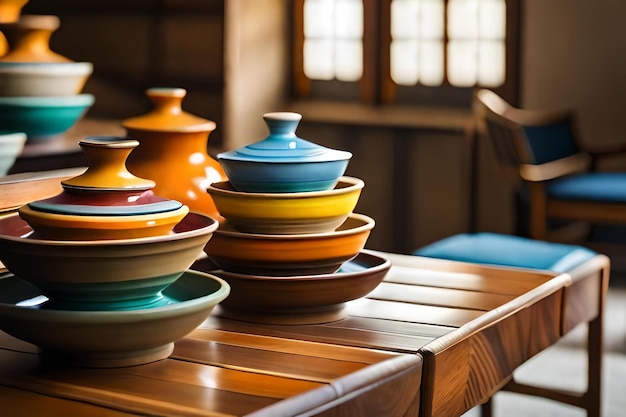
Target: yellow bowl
x=78, y=227
x=288, y=255
x=287, y=213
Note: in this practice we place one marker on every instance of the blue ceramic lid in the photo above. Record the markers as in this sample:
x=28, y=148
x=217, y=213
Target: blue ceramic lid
x=282, y=144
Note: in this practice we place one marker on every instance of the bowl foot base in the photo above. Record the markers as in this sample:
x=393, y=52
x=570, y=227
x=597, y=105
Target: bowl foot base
x=104, y=359
x=316, y=315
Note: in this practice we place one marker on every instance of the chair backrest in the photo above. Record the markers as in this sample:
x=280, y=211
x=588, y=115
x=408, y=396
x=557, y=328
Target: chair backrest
x=524, y=137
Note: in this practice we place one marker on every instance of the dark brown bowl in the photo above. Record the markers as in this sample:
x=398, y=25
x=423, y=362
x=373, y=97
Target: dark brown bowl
x=301, y=299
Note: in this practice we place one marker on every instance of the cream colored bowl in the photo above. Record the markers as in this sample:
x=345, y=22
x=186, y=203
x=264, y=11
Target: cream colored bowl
x=43, y=79
x=287, y=213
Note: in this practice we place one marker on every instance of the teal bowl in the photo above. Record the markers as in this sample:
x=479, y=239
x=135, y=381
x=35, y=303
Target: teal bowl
x=106, y=339
x=42, y=117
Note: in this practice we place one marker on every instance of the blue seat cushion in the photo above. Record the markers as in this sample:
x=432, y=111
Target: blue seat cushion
x=594, y=186
x=506, y=250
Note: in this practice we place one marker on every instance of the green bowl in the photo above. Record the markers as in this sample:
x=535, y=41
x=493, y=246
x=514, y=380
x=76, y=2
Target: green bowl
x=42, y=117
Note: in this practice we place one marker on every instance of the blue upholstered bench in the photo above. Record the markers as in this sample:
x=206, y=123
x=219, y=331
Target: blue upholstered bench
x=514, y=251
x=507, y=250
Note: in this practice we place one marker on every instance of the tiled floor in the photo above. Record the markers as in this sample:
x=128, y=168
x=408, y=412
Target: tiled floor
x=564, y=366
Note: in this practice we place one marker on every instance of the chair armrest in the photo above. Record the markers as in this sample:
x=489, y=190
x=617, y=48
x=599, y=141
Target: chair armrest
x=573, y=164
x=532, y=117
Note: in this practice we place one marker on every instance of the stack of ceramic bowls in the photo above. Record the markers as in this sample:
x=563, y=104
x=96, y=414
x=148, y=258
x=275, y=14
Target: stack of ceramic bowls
x=40, y=90
x=288, y=210
x=103, y=266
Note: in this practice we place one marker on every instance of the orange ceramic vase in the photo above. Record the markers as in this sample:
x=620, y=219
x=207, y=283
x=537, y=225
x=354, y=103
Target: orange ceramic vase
x=172, y=151
x=28, y=39
x=10, y=10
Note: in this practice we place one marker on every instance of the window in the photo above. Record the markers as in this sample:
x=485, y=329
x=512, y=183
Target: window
x=405, y=51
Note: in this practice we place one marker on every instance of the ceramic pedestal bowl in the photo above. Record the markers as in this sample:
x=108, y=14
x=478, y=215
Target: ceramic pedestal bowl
x=287, y=213
x=283, y=162
x=11, y=145
x=104, y=202
x=103, y=274
x=301, y=299
x=286, y=255
x=108, y=338
x=43, y=117
x=39, y=79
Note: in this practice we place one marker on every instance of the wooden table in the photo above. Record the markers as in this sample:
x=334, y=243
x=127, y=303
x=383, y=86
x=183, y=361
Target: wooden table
x=471, y=326
x=224, y=375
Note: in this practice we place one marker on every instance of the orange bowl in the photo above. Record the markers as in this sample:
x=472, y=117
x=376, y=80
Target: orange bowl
x=284, y=255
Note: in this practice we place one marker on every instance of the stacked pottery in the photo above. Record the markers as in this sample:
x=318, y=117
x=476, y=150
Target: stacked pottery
x=103, y=266
x=40, y=90
x=289, y=228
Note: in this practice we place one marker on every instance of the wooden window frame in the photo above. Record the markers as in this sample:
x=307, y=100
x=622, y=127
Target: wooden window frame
x=376, y=85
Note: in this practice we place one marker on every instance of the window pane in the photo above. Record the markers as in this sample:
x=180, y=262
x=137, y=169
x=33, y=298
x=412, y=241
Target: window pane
x=462, y=63
x=431, y=19
x=318, y=18
x=404, y=62
x=491, y=63
x=349, y=60
x=417, y=28
x=349, y=19
x=431, y=63
x=333, y=33
x=318, y=59
x=492, y=19
x=463, y=19
x=404, y=15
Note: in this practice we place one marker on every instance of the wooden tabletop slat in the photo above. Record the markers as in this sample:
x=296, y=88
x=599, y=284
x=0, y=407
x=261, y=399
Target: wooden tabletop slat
x=504, y=284
x=264, y=361
x=417, y=313
x=391, y=340
x=442, y=297
x=277, y=344
x=20, y=403
x=405, y=328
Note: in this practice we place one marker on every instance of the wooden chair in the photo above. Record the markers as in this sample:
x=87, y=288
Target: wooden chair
x=541, y=148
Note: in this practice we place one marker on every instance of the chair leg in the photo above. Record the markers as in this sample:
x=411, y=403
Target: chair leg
x=595, y=351
x=593, y=395
x=486, y=409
